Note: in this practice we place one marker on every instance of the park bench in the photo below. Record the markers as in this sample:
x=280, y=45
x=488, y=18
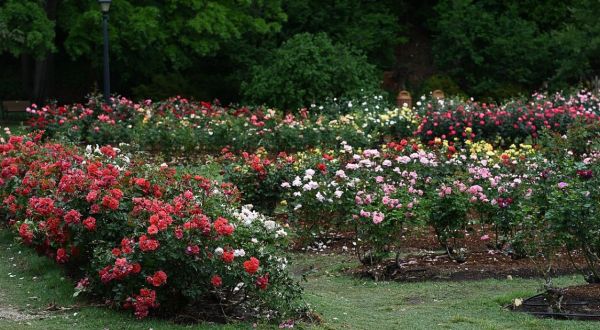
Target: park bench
x=14, y=106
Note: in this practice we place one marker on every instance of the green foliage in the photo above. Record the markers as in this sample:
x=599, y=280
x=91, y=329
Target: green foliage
x=442, y=82
x=25, y=29
x=579, y=51
x=500, y=49
x=370, y=26
x=307, y=68
x=150, y=39
x=487, y=48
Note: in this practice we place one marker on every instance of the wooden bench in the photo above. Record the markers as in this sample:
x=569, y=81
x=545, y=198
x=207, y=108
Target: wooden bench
x=14, y=106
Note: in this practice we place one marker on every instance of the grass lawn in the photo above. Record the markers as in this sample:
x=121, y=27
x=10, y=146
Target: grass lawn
x=30, y=284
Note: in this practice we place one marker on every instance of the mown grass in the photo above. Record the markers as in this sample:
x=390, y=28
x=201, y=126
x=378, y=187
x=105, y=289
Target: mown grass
x=30, y=284
x=351, y=303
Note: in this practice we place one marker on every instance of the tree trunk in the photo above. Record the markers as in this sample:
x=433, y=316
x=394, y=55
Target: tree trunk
x=26, y=75
x=44, y=67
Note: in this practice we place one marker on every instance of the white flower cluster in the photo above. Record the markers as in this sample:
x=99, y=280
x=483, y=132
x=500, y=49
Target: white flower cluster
x=247, y=216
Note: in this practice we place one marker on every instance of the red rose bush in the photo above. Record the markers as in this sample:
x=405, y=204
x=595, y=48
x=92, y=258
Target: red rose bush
x=146, y=238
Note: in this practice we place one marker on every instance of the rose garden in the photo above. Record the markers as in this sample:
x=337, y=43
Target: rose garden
x=301, y=164
x=192, y=212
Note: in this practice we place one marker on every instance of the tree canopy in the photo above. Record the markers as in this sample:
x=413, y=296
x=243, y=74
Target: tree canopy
x=210, y=49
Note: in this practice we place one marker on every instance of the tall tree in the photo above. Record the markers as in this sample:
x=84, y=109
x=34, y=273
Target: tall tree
x=27, y=32
x=150, y=39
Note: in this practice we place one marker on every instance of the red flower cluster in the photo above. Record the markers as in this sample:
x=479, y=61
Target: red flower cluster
x=147, y=244
x=512, y=120
x=262, y=282
x=125, y=221
x=228, y=256
x=251, y=266
x=223, y=227
x=142, y=302
x=121, y=269
x=159, y=278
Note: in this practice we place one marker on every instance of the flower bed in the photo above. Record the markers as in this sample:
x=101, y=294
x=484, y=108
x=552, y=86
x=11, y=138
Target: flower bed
x=510, y=122
x=463, y=171
x=143, y=237
x=532, y=202
x=180, y=125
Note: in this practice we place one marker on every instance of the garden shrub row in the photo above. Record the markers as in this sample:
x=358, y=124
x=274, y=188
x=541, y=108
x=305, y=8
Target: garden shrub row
x=527, y=201
x=145, y=237
x=181, y=125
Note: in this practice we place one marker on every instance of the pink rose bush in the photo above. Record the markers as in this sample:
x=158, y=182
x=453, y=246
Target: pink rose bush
x=389, y=191
x=512, y=121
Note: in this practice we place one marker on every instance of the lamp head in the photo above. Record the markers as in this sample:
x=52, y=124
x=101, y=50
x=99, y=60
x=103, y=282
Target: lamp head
x=104, y=5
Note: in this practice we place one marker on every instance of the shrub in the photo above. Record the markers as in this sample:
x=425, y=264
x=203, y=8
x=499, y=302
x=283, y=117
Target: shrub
x=308, y=68
x=146, y=237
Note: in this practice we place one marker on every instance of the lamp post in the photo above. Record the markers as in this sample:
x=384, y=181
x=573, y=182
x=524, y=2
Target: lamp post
x=105, y=7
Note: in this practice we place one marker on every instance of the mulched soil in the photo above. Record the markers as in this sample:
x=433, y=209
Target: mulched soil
x=423, y=259
x=580, y=302
x=478, y=265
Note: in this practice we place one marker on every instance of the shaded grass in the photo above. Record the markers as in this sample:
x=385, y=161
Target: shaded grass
x=30, y=284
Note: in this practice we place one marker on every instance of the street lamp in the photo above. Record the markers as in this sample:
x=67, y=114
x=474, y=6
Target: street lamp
x=105, y=7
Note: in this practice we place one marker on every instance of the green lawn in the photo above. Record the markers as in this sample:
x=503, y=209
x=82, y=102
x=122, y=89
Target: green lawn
x=29, y=284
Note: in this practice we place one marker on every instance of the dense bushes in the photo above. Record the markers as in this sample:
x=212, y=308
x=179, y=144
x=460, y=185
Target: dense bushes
x=206, y=49
x=146, y=237
x=179, y=125
x=530, y=202
x=513, y=121
x=307, y=68
x=509, y=47
x=521, y=176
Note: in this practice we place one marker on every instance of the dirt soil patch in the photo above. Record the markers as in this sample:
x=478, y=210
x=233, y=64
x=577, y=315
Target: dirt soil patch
x=423, y=259
x=12, y=314
x=478, y=265
x=580, y=302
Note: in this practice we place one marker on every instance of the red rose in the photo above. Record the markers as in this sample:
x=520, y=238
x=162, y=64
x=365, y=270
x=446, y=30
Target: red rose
x=216, y=281
x=147, y=244
x=108, y=151
x=116, y=193
x=95, y=209
x=136, y=268
x=251, y=266
x=61, y=256
x=223, y=227
x=92, y=196
x=159, y=278
x=152, y=230
x=262, y=282
x=228, y=256
x=73, y=216
x=89, y=223
x=110, y=202
x=25, y=233
x=178, y=233
x=322, y=167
